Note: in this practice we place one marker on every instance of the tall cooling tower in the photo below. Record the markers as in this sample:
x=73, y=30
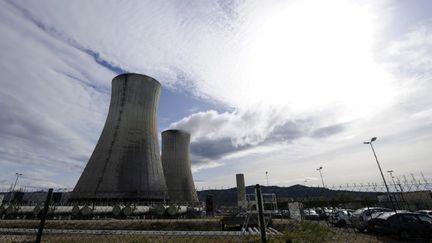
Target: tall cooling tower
x=125, y=164
x=177, y=166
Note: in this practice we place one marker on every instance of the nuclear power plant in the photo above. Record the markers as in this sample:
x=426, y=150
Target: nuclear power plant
x=126, y=164
x=177, y=166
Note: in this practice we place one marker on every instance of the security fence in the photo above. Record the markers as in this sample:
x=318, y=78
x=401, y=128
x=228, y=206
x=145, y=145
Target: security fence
x=345, y=213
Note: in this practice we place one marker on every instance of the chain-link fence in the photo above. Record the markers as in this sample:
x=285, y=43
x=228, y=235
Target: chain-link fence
x=345, y=213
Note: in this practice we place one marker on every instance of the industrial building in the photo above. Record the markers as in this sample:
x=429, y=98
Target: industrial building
x=126, y=164
x=241, y=192
x=177, y=166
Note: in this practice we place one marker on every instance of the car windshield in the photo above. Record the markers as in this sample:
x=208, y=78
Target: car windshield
x=358, y=211
x=425, y=219
x=409, y=218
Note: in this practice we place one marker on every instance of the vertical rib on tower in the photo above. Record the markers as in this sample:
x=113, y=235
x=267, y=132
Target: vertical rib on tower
x=177, y=166
x=125, y=164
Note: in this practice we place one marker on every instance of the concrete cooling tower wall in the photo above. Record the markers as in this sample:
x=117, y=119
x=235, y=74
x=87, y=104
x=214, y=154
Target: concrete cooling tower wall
x=125, y=164
x=177, y=166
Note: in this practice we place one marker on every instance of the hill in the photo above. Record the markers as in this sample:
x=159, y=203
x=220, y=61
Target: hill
x=228, y=197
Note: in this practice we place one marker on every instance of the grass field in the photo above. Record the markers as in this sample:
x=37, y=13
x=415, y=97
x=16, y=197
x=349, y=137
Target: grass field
x=293, y=231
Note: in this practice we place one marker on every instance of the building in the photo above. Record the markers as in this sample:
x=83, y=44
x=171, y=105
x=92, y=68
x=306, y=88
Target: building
x=125, y=164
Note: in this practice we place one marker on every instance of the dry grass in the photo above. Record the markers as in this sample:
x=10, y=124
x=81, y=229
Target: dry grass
x=210, y=224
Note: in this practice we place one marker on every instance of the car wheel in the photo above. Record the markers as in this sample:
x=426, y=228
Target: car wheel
x=405, y=235
x=342, y=223
x=370, y=228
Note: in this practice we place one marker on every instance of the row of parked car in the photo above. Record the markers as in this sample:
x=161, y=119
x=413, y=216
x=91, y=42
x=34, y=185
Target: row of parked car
x=378, y=220
x=317, y=213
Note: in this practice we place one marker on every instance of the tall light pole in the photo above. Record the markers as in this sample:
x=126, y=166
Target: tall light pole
x=322, y=180
x=267, y=178
x=379, y=167
x=14, y=185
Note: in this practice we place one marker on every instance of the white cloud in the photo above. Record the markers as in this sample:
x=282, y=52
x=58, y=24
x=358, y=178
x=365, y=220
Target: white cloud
x=242, y=133
x=238, y=54
x=52, y=107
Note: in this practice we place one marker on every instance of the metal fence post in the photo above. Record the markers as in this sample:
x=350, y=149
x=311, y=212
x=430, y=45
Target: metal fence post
x=43, y=216
x=261, y=213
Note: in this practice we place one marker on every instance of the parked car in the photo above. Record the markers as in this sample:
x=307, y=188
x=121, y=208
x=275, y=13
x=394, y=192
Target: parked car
x=361, y=217
x=321, y=213
x=404, y=225
x=379, y=213
x=310, y=214
x=426, y=212
x=328, y=212
x=340, y=217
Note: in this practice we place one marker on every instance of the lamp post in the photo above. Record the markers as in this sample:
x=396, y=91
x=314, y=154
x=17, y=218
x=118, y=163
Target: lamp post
x=14, y=185
x=379, y=167
x=322, y=180
x=267, y=178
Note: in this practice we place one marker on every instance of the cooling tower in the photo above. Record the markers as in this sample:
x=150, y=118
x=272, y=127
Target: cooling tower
x=126, y=165
x=177, y=166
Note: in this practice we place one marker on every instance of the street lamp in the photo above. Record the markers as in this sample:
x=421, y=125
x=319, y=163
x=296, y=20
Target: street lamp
x=267, y=178
x=322, y=180
x=379, y=167
x=13, y=188
x=16, y=180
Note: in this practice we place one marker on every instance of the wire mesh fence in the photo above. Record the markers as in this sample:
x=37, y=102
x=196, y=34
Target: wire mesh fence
x=344, y=213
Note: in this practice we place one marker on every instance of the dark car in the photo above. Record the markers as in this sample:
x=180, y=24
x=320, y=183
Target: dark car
x=426, y=212
x=404, y=225
x=321, y=213
x=310, y=214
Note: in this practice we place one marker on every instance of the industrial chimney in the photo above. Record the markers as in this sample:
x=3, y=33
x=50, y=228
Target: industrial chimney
x=241, y=191
x=177, y=166
x=126, y=165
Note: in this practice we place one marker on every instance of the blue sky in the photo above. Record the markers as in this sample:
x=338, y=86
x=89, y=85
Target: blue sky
x=277, y=86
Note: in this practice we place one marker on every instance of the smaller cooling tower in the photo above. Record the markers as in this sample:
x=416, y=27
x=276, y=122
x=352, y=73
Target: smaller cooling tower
x=177, y=166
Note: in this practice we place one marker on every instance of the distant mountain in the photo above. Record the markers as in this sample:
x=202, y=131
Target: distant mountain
x=228, y=197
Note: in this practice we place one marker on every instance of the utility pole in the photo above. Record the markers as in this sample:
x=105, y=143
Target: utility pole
x=267, y=178
x=379, y=167
x=322, y=180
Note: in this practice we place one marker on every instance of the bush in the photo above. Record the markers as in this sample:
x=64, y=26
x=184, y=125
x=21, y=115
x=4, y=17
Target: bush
x=306, y=231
